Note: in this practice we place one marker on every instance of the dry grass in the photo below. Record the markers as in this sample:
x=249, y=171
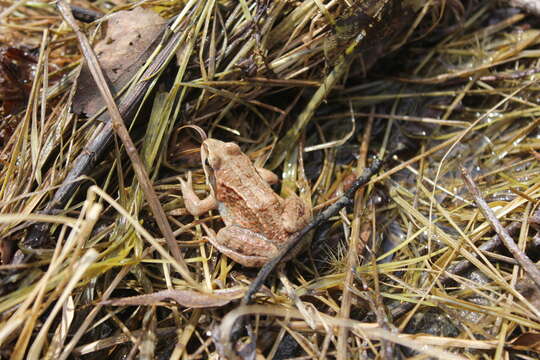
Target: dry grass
x=413, y=268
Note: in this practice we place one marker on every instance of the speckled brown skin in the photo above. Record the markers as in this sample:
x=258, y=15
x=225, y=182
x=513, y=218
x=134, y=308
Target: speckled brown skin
x=258, y=221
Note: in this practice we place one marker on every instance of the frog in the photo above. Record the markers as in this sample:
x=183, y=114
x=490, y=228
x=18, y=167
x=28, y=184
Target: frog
x=258, y=221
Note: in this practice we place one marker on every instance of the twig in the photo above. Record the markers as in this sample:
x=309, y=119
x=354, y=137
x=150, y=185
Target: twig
x=330, y=211
x=460, y=267
x=522, y=259
x=515, y=75
x=347, y=199
x=121, y=130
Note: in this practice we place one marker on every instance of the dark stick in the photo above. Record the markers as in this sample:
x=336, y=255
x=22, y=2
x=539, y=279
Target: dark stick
x=522, y=259
x=346, y=199
x=266, y=270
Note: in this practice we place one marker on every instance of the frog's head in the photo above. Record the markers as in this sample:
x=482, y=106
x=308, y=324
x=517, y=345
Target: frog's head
x=215, y=153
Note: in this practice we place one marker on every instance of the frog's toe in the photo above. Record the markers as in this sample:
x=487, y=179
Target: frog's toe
x=244, y=246
x=246, y=260
x=211, y=233
x=188, y=182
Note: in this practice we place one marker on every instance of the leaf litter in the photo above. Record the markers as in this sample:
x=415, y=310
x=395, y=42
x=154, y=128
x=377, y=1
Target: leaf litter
x=414, y=267
x=121, y=54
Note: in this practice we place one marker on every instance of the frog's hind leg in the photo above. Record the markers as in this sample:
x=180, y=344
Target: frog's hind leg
x=244, y=246
x=296, y=214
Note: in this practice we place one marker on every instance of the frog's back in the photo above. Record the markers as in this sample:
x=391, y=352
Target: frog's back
x=249, y=201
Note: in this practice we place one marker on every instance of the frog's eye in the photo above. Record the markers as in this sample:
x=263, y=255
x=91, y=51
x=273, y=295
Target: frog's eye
x=232, y=149
x=213, y=162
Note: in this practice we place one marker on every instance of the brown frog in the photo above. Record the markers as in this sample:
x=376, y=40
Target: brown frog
x=258, y=222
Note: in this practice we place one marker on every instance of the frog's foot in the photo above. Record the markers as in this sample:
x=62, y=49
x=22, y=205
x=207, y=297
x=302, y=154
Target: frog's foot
x=244, y=246
x=194, y=205
x=296, y=214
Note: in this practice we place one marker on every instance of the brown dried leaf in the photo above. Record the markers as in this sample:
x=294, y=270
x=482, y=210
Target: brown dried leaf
x=131, y=37
x=187, y=298
x=527, y=341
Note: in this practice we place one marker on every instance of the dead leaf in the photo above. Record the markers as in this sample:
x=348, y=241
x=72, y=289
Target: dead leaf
x=187, y=298
x=131, y=37
x=527, y=342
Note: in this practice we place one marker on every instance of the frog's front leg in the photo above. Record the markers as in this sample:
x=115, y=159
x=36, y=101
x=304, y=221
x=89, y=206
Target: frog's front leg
x=244, y=246
x=194, y=205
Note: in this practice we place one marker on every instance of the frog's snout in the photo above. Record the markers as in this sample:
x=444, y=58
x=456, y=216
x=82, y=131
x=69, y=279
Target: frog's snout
x=210, y=155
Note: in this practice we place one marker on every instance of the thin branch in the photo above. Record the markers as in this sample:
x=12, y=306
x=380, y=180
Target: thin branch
x=330, y=211
x=460, y=267
x=522, y=259
x=347, y=199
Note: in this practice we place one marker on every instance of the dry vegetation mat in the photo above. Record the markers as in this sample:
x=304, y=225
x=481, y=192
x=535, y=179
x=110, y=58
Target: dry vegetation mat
x=103, y=108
